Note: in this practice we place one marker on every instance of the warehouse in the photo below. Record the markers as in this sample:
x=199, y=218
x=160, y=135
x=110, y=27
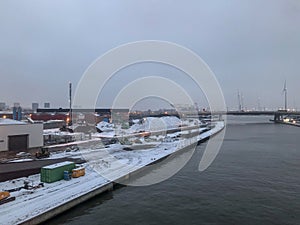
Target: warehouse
x=19, y=136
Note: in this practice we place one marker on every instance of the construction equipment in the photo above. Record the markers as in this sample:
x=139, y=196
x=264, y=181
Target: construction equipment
x=78, y=172
x=5, y=197
x=42, y=153
x=27, y=186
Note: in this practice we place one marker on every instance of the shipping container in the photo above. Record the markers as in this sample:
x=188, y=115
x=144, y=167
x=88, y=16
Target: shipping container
x=55, y=172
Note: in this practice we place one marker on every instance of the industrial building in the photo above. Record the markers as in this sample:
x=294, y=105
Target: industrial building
x=2, y=106
x=19, y=136
x=91, y=116
x=6, y=114
x=35, y=106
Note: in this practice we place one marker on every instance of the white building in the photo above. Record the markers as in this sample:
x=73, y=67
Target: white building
x=19, y=136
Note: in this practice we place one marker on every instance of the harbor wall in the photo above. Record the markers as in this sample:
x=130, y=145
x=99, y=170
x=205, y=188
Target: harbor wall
x=68, y=205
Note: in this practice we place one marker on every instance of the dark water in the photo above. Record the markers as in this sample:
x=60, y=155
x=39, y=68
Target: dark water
x=255, y=179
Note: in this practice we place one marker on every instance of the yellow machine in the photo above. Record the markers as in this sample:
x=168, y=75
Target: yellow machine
x=78, y=172
x=4, y=195
x=42, y=153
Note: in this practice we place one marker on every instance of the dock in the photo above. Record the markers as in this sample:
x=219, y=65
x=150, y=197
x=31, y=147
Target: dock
x=55, y=198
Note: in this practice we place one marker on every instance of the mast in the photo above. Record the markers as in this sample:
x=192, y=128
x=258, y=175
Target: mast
x=70, y=101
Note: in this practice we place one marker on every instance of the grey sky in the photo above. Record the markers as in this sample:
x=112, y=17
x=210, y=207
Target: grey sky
x=251, y=45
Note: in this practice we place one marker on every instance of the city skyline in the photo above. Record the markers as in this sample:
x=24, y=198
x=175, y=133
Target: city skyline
x=251, y=46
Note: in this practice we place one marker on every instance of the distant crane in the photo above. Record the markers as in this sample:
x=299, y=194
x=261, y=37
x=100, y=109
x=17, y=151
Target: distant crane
x=240, y=101
x=258, y=104
x=285, y=96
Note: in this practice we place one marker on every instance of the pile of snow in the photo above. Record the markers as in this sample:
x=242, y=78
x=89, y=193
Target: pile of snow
x=172, y=121
x=105, y=126
x=55, y=135
x=156, y=124
x=135, y=128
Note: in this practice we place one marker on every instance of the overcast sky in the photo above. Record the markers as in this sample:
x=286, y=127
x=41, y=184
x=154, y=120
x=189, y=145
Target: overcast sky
x=250, y=45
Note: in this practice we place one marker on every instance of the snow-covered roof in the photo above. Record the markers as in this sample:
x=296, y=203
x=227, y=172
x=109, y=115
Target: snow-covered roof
x=105, y=126
x=56, y=165
x=10, y=122
x=6, y=112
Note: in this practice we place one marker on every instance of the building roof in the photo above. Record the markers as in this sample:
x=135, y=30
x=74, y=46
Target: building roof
x=6, y=112
x=75, y=110
x=10, y=122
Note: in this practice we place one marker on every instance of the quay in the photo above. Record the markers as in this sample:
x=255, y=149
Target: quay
x=55, y=198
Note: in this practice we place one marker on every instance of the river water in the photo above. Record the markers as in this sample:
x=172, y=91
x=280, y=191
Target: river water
x=255, y=179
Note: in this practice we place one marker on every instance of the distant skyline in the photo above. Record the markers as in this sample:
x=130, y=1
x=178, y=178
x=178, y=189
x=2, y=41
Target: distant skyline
x=251, y=46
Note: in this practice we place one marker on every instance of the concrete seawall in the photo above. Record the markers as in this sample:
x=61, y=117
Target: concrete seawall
x=66, y=206
x=287, y=123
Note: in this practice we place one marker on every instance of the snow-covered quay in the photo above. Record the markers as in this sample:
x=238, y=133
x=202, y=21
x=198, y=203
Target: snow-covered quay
x=37, y=205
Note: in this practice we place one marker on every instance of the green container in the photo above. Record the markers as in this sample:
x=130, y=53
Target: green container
x=55, y=172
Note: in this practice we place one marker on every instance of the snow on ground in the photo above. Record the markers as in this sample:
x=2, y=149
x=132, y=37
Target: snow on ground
x=30, y=203
x=155, y=124
x=108, y=134
x=112, y=163
x=21, y=160
x=58, y=132
x=105, y=126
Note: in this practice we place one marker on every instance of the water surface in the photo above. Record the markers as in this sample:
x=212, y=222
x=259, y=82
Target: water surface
x=255, y=179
